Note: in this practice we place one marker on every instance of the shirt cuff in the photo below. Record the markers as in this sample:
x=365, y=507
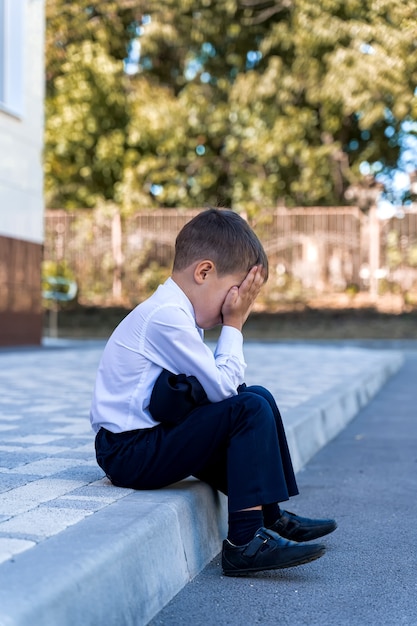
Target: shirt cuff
x=230, y=342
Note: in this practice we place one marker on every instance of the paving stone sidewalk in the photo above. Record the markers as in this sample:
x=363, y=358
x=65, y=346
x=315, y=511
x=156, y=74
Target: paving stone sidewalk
x=49, y=479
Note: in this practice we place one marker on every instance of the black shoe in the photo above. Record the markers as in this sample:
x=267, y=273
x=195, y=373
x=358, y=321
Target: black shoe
x=266, y=551
x=296, y=528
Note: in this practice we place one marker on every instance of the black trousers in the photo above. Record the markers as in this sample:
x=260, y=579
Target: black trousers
x=237, y=445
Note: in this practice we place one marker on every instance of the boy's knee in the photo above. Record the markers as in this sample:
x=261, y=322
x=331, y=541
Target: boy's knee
x=254, y=406
x=258, y=390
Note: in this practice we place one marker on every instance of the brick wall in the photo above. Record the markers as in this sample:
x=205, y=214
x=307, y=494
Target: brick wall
x=20, y=292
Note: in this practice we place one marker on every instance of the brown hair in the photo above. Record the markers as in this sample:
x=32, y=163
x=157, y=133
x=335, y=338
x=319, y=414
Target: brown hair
x=222, y=236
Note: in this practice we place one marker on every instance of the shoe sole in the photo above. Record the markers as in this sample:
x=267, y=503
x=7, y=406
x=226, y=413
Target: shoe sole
x=294, y=563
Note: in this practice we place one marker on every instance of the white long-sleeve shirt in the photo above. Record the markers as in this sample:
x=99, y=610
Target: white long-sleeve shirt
x=161, y=333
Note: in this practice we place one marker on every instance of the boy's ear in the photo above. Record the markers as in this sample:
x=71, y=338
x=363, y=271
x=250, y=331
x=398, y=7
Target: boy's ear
x=202, y=269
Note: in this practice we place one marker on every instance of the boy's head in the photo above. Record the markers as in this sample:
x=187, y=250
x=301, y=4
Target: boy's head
x=225, y=238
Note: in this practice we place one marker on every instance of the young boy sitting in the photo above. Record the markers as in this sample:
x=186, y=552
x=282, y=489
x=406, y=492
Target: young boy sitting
x=166, y=407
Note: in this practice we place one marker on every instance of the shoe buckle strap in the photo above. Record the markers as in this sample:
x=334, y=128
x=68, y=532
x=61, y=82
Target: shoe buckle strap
x=257, y=542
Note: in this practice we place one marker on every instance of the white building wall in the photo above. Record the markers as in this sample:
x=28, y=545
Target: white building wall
x=21, y=128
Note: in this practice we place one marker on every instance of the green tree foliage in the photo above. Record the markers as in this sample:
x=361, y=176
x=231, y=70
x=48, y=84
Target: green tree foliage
x=340, y=78
x=247, y=103
x=87, y=113
x=86, y=126
x=108, y=23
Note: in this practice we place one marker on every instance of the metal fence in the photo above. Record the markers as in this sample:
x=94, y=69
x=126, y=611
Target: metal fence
x=315, y=250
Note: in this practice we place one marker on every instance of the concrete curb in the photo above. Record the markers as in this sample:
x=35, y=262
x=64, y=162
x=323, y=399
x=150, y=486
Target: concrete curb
x=120, y=566
x=125, y=563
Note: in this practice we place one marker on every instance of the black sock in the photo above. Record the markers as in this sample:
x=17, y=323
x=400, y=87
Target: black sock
x=243, y=526
x=271, y=513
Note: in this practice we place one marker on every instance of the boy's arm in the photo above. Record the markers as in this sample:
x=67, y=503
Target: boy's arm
x=175, y=343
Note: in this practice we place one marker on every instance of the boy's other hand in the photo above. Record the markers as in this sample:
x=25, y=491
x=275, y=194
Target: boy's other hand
x=240, y=299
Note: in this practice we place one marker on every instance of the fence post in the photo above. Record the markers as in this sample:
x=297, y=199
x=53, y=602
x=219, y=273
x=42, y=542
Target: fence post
x=374, y=252
x=116, y=240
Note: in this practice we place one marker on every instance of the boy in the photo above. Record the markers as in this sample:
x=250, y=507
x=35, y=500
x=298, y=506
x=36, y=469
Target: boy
x=232, y=437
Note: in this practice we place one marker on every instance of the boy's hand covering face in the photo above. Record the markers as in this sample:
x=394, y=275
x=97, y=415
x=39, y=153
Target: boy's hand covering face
x=240, y=299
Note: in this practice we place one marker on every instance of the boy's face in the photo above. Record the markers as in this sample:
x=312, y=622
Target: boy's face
x=212, y=293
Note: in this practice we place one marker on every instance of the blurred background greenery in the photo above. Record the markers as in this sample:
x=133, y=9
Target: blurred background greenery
x=243, y=103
